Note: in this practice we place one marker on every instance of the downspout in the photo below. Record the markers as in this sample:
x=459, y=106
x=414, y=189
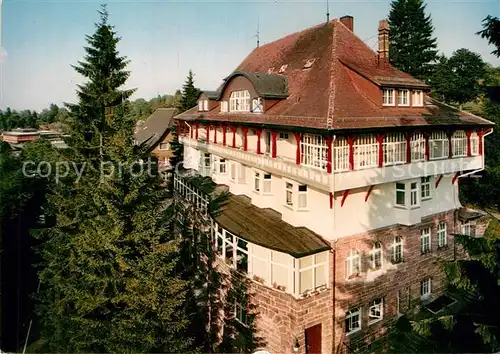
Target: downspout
x=334, y=254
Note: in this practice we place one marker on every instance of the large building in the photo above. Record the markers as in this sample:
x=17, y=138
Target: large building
x=343, y=179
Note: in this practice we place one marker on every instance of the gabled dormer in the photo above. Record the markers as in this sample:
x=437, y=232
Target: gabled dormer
x=206, y=101
x=245, y=92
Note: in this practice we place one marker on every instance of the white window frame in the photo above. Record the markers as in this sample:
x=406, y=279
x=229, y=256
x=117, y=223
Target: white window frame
x=352, y=264
x=459, y=144
x=414, y=195
x=267, y=184
x=397, y=250
x=425, y=240
x=341, y=155
x=365, y=152
x=403, y=97
x=302, y=196
x=376, y=311
x=442, y=238
x=289, y=195
x=425, y=188
x=400, y=190
x=314, y=151
x=240, y=311
x=425, y=288
x=417, y=98
x=417, y=146
x=164, y=149
x=221, y=166
x=394, y=149
x=376, y=253
x=388, y=97
x=349, y=316
x=474, y=144
x=256, y=185
x=224, y=106
x=284, y=136
x=205, y=105
x=438, y=142
x=200, y=105
x=240, y=101
x=466, y=229
x=314, y=266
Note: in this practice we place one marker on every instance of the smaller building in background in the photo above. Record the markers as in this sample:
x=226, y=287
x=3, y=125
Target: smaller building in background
x=18, y=137
x=156, y=134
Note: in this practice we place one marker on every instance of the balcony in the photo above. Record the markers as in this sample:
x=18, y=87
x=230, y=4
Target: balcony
x=366, y=171
x=314, y=177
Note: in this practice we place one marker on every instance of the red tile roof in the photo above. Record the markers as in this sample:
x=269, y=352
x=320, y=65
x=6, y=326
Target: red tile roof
x=341, y=90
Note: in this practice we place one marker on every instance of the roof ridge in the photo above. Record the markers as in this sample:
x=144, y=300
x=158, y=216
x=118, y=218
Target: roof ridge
x=333, y=66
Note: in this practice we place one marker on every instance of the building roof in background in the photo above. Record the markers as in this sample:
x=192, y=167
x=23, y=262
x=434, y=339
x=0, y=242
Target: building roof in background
x=155, y=127
x=265, y=227
x=332, y=77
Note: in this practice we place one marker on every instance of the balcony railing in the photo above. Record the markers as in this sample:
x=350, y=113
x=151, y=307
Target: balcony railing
x=190, y=194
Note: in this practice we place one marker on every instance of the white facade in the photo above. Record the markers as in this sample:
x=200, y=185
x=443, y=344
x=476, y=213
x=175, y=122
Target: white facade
x=333, y=205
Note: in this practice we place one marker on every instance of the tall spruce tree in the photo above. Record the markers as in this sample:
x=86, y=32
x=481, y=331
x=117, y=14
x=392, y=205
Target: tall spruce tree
x=108, y=280
x=190, y=93
x=412, y=46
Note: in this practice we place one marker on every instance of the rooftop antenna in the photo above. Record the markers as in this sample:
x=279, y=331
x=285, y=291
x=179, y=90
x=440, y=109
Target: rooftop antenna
x=327, y=11
x=256, y=35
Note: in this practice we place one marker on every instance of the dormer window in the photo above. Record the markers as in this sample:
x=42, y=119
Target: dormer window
x=239, y=101
x=205, y=105
x=417, y=98
x=257, y=105
x=388, y=97
x=403, y=97
x=283, y=68
x=223, y=106
x=270, y=70
x=200, y=105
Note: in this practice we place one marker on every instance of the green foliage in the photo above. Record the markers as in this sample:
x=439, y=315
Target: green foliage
x=457, y=80
x=190, y=94
x=412, y=46
x=491, y=32
x=108, y=267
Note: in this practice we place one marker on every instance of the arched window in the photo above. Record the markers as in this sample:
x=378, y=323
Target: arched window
x=353, y=264
x=376, y=256
x=239, y=101
x=397, y=250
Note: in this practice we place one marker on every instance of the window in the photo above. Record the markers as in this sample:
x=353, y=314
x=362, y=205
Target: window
x=341, y=154
x=200, y=105
x=205, y=105
x=289, y=194
x=284, y=136
x=312, y=272
x=388, y=97
x=425, y=188
x=459, y=143
x=441, y=234
x=222, y=166
x=257, y=182
x=239, y=101
x=229, y=248
x=267, y=183
x=257, y=105
x=413, y=194
x=353, y=264
x=466, y=229
x=425, y=240
x=353, y=321
x=240, y=313
x=365, y=152
x=438, y=145
x=283, y=68
x=425, y=288
x=474, y=142
x=400, y=194
x=314, y=151
x=403, y=98
x=375, y=311
x=241, y=255
x=164, y=146
x=223, y=106
x=397, y=250
x=302, y=196
x=376, y=256
x=417, y=145
x=241, y=173
x=418, y=98
x=394, y=149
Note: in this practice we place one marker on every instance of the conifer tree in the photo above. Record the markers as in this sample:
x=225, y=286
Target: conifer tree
x=190, y=93
x=108, y=264
x=412, y=46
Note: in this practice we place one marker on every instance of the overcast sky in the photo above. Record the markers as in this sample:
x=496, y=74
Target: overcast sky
x=164, y=39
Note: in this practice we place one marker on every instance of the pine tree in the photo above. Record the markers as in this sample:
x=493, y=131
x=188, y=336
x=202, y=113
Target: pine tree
x=190, y=94
x=108, y=264
x=412, y=48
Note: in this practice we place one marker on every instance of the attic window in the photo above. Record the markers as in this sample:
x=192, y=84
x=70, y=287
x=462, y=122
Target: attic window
x=270, y=70
x=283, y=68
x=309, y=63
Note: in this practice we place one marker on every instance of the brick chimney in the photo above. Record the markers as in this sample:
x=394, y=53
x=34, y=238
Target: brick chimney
x=383, y=40
x=348, y=21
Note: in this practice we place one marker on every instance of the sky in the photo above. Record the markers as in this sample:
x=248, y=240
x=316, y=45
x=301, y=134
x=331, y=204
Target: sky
x=164, y=39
